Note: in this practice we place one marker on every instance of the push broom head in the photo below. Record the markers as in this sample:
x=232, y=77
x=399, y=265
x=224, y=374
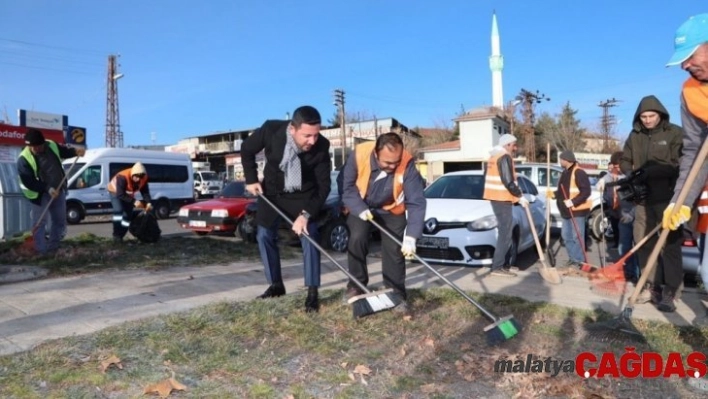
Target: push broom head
x=374, y=302
x=502, y=330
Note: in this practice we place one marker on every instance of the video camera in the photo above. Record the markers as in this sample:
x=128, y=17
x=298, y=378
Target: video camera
x=632, y=188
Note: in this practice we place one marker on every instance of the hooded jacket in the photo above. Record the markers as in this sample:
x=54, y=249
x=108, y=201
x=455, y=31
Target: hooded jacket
x=656, y=151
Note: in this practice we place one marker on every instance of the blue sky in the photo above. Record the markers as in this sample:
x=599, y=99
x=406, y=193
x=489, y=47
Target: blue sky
x=197, y=67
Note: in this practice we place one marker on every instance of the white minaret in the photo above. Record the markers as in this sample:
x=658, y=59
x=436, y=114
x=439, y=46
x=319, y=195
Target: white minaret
x=496, y=64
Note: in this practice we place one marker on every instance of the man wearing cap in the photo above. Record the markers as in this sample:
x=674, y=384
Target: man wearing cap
x=573, y=199
x=503, y=191
x=123, y=187
x=651, y=153
x=43, y=184
x=691, y=52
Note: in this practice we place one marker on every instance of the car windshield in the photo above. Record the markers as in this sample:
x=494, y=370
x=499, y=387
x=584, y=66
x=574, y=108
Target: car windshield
x=209, y=176
x=457, y=187
x=235, y=190
x=73, y=171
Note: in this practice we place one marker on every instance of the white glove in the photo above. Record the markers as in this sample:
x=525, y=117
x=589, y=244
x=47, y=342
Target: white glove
x=53, y=192
x=148, y=207
x=138, y=204
x=523, y=201
x=408, y=247
x=600, y=185
x=568, y=203
x=366, y=215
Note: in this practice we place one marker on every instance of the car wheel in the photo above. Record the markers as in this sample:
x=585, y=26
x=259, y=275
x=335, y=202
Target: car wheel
x=513, y=253
x=595, y=223
x=196, y=195
x=246, y=231
x=163, y=209
x=74, y=213
x=201, y=233
x=335, y=235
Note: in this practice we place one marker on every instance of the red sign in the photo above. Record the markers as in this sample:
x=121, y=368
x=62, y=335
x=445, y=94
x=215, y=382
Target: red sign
x=15, y=135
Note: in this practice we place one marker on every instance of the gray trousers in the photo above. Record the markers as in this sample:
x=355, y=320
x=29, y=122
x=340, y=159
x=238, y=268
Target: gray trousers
x=503, y=213
x=55, y=219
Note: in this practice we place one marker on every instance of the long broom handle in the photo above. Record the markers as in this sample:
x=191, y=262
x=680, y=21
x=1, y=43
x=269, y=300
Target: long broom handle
x=319, y=248
x=581, y=240
x=639, y=244
x=652, y=261
x=535, y=237
x=46, y=208
x=548, y=189
x=437, y=273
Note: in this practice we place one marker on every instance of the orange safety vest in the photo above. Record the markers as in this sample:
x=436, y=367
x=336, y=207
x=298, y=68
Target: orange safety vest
x=575, y=191
x=702, y=207
x=130, y=188
x=363, y=164
x=494, y=189
x=695, y=94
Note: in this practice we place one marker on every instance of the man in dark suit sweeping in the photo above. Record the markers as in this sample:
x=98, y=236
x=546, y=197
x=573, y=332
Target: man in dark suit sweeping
x=296, y=179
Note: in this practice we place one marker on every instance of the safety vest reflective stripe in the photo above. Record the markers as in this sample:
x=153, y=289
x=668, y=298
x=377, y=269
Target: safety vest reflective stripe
x=702, y=207
x=29, y=157
x=363, y=153
x=695, y=94
x=574, y=191
x=494, y=188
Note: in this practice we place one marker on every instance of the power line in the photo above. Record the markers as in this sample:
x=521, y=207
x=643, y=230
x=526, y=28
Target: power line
x=528, y=100
x=94, y=52
x=607, y=122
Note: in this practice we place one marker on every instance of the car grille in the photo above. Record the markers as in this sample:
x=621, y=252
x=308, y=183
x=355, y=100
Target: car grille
x=199, y=215
x=446, y=254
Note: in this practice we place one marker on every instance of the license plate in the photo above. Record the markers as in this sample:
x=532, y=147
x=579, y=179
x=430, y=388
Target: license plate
x=433, y=242
x=197, y=223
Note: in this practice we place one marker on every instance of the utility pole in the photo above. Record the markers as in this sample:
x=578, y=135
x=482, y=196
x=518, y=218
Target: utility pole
x=529, y=100
x=607, y=122
x=114, y=136
x=339, y=102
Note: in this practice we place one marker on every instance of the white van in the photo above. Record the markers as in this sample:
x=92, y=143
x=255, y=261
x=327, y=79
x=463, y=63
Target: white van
x=170, y=179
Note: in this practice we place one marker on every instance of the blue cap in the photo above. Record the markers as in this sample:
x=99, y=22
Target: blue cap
x=689, y=36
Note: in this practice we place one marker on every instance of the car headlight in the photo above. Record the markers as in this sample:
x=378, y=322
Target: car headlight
x=219, y=213
x=183, y=212
x=482, y=224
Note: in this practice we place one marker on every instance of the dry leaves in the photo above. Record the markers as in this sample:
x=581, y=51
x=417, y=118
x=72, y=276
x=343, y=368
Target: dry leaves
x=431, y=388
x=165, y=388
x=108, y=362
x=361, y=369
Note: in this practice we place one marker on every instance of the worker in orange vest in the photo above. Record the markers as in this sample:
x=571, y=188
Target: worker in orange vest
x=502, y=190
x=380, y=181
x=122, y=188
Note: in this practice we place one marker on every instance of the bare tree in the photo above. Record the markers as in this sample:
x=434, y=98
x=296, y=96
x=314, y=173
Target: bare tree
x=564, y=131
x=441, y=132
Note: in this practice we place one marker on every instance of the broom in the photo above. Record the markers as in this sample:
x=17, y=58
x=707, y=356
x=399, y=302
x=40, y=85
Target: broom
x=362, y=305
x=28, y=244
x=549, y=274
x=549, y=251
x=586, y=266
x=605, y=281
x=501, y=330
x=621, y=326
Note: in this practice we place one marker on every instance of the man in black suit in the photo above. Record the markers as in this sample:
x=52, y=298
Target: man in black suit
x=296, y=178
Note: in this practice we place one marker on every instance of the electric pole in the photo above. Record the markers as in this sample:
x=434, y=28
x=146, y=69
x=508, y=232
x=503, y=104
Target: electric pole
x=607, y=122
x=114, y=136
x=339, y=102
x=529, y=100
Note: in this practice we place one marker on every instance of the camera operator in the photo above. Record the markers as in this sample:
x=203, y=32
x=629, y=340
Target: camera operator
x=651, y=155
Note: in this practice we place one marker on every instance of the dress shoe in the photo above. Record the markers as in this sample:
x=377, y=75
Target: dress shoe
x=275, y=290
x=312, y=302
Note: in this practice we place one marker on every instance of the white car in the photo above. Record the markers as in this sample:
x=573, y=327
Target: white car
x=460, y=226
x=537, y=172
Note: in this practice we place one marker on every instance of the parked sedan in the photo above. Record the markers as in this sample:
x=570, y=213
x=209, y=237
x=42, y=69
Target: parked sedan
x=460, y=227
x=222, y=214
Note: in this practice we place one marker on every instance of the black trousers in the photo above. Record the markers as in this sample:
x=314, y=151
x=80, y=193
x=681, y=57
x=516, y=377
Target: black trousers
x=669, y=270
x=393, y=264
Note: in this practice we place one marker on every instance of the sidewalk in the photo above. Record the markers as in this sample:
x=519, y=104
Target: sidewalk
x=35, y=311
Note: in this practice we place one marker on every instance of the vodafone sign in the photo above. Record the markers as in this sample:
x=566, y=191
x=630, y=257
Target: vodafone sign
x=15, y=135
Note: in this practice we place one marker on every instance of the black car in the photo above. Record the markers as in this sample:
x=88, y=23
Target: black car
x=334, y=233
